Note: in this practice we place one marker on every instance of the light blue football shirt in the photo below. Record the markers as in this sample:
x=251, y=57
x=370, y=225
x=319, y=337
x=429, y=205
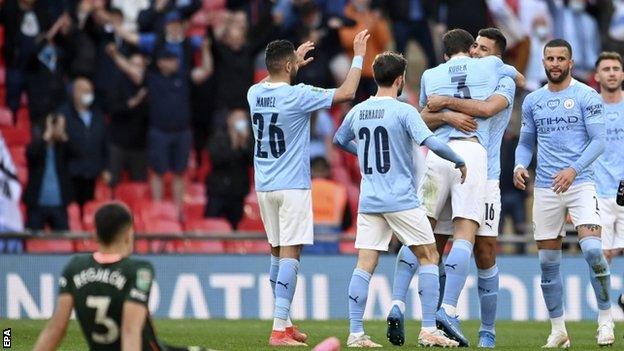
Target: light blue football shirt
x=558, y=120
x=280, y=117
x=609, y=167
x=498, y=124
x=468, y=78
x=384, y=129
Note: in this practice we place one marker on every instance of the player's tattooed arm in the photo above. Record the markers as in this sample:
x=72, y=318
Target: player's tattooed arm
x=592, y=228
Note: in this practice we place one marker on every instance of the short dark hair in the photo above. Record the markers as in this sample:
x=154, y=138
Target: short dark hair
x=110, y=220
x=457, y=40
x=558, y=43
x=495, y=34
x=277, y=52
x=608, y=55
x=116, y=11
x=387, y=67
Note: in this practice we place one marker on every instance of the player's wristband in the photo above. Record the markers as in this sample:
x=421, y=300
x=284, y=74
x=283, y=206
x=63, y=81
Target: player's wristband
x=357, y=62
x=517, y=167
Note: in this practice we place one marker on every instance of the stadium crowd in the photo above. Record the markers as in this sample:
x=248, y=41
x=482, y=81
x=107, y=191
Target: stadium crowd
x=144, y=101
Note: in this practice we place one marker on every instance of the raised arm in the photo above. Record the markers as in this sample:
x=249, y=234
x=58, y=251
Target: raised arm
x=55, y=330
x=346, y=91
x=203, y=72
x=127, y=36
x=135, y=74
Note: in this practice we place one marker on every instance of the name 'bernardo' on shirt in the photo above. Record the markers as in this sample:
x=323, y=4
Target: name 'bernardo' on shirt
x=267, y=101
x=371, y=114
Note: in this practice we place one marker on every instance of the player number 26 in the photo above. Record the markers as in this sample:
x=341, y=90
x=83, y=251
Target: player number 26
x=276, y=136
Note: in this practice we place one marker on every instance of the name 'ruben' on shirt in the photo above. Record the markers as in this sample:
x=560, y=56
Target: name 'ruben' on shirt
x=371, y=114
x=458, y=69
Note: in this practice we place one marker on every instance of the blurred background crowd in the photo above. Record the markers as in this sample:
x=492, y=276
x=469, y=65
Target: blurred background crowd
x=144, y=101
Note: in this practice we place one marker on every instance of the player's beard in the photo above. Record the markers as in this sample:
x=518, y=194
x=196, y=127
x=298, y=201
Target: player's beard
x=564, y=74
x=612, y=90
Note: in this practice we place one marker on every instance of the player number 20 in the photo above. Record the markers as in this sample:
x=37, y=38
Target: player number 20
x=101, y=304
x=276, y=136
x=382, y=149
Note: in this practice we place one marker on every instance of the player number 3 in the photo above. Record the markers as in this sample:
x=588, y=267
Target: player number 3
x=100, y=304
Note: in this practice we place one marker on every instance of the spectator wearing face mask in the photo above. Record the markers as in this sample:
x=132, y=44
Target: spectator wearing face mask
x=231, y=153
x=541, y=33
x=85, y=127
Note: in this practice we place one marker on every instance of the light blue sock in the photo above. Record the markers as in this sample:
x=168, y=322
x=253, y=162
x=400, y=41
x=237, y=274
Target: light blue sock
x=442, y=278
x=404, y=269
x=456, y=265
x=273, y=269
x=285, y=287
x=488, y=296
x=552, y=283
x=429, y=290
x=358, y=293
x=599, y=273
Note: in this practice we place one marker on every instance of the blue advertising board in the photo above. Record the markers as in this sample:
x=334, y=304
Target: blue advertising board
x=235, y=287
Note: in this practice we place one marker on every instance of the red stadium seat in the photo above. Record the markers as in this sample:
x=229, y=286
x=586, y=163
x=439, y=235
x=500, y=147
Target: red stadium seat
x=86, y=245
x=75, y=222
x=162, y=226
x=18, y=154
x=195, y=193
x=145, y=246
x=154, y=210
x=22, y=174
x=16, y=136
x=103, y=192
x=133, y=192
x=2, y=75
x=247, y=247
x=6, y=116
x=208, y=225
x=194, y=211
x=23, y=119
x=251, y=220
x=199, y=246
x=49, y=246
x=88, y=215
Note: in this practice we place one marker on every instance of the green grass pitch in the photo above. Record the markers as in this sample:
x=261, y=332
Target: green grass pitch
x=253, y=334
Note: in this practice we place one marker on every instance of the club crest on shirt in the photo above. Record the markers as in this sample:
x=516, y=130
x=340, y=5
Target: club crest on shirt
x=552, y=104
x=568, y=104
x=612, y=116
x=144, y=279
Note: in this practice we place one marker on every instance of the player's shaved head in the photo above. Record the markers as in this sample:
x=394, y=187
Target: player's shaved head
x=559, y=43
x=278, y=53
x=387, y=67
x=111, y=220
x=457, y=41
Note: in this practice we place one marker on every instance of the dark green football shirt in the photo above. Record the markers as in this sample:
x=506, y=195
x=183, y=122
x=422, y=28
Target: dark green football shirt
x=99, y=292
